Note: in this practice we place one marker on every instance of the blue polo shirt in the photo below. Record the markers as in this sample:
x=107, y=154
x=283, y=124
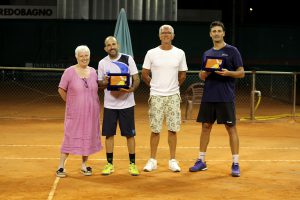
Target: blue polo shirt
x=221, y=88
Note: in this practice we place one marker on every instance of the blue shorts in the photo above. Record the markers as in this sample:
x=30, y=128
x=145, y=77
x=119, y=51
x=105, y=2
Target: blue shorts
x=223, y=112
x=125, y=118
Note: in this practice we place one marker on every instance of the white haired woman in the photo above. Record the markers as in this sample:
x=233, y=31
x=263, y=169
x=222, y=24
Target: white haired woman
x=78, y=87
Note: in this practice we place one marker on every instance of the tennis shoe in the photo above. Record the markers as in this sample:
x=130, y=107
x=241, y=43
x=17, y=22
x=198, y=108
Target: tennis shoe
x=235, y=170
x=198, y=166
x=133, y=170
x=108, y=169
x=61, y=173
x=87, y=172
x=151, y=165
x=173, y=165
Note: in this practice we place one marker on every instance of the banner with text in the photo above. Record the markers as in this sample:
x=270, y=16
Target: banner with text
x=28, y=12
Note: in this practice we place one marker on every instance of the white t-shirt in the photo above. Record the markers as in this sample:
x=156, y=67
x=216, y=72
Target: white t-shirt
x=164, y=66
x=117, y=99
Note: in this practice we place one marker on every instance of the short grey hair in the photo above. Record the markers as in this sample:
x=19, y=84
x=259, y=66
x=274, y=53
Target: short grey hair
x=82, y=48
x=168, y=27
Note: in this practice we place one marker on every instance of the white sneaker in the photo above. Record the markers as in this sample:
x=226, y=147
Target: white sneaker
x=173, y=165
x=151, y=165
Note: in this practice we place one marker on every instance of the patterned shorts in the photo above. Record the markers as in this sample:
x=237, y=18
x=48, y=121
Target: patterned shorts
x=160, y=106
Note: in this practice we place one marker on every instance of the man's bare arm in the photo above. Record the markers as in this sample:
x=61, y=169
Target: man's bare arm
x=146, y=76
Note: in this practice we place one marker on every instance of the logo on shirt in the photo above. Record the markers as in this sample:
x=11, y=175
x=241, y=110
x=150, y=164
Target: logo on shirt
x=224, y=54
x=122, y=66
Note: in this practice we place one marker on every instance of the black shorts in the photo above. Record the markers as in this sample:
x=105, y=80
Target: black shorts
x=125, y=118
x=223, y=112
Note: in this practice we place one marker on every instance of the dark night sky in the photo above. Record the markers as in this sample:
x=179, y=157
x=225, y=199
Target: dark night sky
x=264, y=11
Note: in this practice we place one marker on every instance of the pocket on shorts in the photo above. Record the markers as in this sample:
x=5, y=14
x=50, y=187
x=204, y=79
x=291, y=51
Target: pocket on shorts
x=149, y=100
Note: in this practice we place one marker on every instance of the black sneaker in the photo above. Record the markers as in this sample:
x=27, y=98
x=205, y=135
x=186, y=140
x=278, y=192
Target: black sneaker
x=61, y=173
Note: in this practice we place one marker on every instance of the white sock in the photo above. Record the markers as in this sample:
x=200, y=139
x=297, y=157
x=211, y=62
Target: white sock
x=63, y=160
x=202, y=156
x=61, y=165
x=83, y=166
x=235, y=158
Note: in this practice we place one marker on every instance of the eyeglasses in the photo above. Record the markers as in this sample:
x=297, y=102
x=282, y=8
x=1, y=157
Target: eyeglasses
x=85, y=83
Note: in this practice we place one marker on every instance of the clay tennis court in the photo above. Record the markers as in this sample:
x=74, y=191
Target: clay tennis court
x=269, y=160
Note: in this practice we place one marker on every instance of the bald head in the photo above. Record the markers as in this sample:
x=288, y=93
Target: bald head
x=111, y=47
x=110, y=38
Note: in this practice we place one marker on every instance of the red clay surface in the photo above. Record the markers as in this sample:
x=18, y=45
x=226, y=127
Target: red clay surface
x=269, y=160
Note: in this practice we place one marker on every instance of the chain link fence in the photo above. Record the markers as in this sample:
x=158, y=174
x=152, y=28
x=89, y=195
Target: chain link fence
x=32, y=93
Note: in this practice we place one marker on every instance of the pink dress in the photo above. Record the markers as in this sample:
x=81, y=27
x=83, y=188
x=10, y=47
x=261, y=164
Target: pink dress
x=82, y=123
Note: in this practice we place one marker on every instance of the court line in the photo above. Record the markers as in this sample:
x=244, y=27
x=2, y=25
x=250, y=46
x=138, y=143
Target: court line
x=54, y=186
x=163, y=147
x=120, y=159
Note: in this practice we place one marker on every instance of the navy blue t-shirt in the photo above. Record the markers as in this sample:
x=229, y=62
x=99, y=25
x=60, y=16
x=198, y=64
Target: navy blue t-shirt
x=221, y=88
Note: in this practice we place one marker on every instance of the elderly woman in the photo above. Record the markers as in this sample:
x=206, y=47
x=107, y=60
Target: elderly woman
x=78, y=87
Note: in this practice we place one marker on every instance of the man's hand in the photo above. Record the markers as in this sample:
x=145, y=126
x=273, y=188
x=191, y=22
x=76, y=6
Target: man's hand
x=224, y=72
x=130, y=89
x=203, y=74
x=239, y=73
x=103, y=84
x=105, y=81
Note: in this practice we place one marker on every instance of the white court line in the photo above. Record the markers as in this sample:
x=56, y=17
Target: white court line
x=146, y=147
x=120, y=159
x=53, y=189
x=54, y=186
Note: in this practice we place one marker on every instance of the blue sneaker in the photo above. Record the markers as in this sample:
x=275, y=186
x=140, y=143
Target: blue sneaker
x=235, y=170
x=198, y=166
